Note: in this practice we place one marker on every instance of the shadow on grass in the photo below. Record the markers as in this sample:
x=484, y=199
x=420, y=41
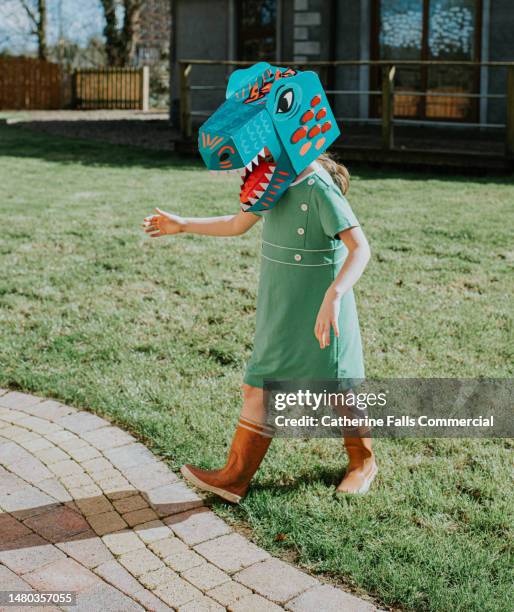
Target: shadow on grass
x=16, y=141
x=20, y=142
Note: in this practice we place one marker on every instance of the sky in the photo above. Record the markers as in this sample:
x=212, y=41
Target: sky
x=80, y=20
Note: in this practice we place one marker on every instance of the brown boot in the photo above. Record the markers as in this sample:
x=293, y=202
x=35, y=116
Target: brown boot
x=250, y=444
x=362, y=467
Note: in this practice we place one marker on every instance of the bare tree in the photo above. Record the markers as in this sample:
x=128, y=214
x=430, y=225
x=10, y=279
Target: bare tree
x=36, y=12
x=121, y=39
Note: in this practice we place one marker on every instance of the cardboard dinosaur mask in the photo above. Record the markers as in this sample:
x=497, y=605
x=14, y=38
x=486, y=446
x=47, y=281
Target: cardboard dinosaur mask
x=272, y=125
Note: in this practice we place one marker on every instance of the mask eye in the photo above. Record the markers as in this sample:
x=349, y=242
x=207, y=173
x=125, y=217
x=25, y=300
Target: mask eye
x=285, y=101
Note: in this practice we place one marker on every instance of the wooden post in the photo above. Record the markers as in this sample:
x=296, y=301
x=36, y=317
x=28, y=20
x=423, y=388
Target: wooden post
x=74, y=93
x=509, y=131
x=388, y=107
x=186, y=127
x=144, y=94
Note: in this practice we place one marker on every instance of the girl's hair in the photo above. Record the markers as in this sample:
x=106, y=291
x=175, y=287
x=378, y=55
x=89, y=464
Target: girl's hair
x=338, y=172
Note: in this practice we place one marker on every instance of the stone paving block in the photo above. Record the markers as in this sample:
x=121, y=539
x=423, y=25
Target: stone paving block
x=118, y=576
x=138, y=517
x=80, y=479
x=205, y=576
x=196, y=526
x=84, y=491
x=173, y=499
x=88, y=549
x=123, y=542
x=10, y=453
x=66, y=440
x=82, y=422
x=94, y=505
x=168, y=546
x=153, y=579
x=184, y=561
x=27, y=502
x=37, y=444
x=204, y=604
x=54, y=488
x=129, y=504
x=9, y=581
x=146, y=478
x=58, y=524
x=84, y=453
x=63, y=575
x=11, y=416
x=50, y=410
x=105, y=598
x=232, y=552
x=40, y=426
x=130, y=456
x=275, y=580
x=51, y=455
x=31, y=470
x=18, y=401
x=108, y=522
x=97, y=464
x=255, y=603
x=178, y=592
x=150, y=602
x=11, y=529
x=110, y=474
x=140, y=562
x=66, y=468
x=28, y=553
x=228, y=593
x=152, y=531
x=117, y=489
x=10, y=482
x=326, y=598
x=107, y=437
x=19, y=434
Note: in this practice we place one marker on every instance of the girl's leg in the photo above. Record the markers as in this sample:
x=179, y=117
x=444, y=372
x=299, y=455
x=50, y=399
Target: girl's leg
x=249, y=446
x=362, y=467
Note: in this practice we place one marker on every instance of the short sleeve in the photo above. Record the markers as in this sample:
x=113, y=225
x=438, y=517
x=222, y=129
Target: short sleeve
x=334, y=212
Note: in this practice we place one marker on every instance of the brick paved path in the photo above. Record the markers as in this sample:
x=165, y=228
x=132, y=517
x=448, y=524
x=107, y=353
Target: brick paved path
x=86, y=508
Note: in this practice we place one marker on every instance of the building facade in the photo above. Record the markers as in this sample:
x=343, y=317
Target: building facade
x=285, y=31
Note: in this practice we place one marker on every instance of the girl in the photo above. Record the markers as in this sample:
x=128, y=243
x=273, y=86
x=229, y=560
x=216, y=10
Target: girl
x=313, y=253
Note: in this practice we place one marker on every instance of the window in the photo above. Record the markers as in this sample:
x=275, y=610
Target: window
x=257, y=30
x=438, y=30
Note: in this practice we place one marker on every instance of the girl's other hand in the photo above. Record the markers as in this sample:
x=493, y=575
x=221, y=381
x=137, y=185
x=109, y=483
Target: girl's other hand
x=163, y=223
x=328, y=316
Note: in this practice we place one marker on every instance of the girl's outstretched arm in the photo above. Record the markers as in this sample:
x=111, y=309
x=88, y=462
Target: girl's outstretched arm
x=163, y=223
x=352, y=269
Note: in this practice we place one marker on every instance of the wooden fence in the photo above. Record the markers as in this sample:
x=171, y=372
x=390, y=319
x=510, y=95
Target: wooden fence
x=111, y=88
x=445, y=106
x=33, y=84
x=29, y=84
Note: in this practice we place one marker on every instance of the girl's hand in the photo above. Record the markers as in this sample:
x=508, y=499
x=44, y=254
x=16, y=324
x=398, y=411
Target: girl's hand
x=163, y=223
x=328, y=316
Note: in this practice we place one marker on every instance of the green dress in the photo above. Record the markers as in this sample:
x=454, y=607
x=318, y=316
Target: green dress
x=301, y=256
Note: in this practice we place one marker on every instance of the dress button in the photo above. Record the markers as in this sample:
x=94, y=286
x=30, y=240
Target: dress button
x=298, y=257
x=304, y=207
x=301, y=231
x=310, y=182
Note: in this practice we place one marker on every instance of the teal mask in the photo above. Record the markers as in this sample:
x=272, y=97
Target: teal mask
x=272, y=125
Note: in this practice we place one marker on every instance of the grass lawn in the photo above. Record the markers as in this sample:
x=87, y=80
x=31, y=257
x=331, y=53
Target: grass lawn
x=155, y=334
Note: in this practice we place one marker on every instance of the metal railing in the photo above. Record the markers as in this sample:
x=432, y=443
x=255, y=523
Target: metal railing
x=388, y=97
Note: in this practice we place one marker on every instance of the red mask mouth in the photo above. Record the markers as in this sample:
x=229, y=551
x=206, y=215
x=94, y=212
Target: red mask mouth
x=256, y=177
